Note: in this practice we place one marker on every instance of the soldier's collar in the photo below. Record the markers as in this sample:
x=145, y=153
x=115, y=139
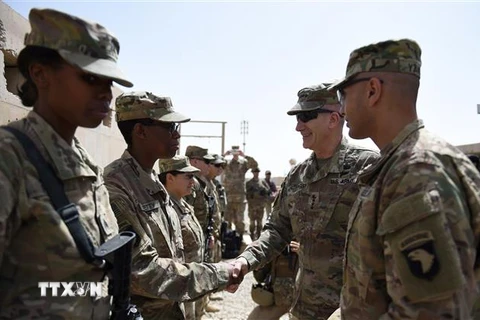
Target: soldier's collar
x=70, y=161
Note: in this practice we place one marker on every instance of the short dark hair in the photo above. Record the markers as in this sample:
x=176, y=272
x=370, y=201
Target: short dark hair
x=28, y=92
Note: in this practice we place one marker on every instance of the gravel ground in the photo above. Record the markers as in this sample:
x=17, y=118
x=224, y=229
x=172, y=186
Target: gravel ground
x=240, y=306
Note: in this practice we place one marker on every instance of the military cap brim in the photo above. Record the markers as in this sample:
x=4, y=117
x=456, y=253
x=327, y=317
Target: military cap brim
x=100, y=67
x=188, y=169
x=305, y=106
x=209, y=157
x=217, y=161
x=173, y=117
x=338, y=84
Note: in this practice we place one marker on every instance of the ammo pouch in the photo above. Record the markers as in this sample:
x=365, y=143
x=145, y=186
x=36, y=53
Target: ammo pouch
x=262, y=295
x=285, y=265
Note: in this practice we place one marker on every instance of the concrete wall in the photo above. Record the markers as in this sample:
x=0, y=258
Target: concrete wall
x=104, y=143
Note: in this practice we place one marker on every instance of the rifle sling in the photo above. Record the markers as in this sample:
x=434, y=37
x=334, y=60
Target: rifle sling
x=55, y=190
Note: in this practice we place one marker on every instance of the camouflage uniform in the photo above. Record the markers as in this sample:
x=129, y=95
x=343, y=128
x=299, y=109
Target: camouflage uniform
x=192, y=233
x=202, y=200
x=199, y=200
x=222, y=196
x=193, y=242
x=313, y=207
x=257, y=194
x=202, y=191
x=413, y=233
x=160, y=279
x=35, y=243
x=272, y=194
x=217, y=219
x=235, y=188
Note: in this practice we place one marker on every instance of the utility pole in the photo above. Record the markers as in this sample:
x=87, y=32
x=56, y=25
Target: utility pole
x=244, y=131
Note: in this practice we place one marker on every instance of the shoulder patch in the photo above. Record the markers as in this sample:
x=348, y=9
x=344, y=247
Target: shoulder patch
x=419, y=251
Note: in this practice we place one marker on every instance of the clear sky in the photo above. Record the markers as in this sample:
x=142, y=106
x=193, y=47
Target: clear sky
x=246, y=61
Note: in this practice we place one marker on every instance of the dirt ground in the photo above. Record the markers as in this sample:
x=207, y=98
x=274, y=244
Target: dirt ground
x=240, y=306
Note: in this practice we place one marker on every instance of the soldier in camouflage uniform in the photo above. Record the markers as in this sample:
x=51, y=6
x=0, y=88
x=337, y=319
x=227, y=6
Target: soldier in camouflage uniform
x=222, y=195
x=234, y=182
x=176, y=175
x=413, y=234
x=202, y=193
x=272, y=194
x=204, y=203
x=216, y=169
x=67, y=88
x=313, y=205
x=160, y=278
x=257, y=196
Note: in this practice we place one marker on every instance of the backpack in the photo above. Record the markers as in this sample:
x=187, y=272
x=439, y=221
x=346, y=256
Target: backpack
x=231, y=242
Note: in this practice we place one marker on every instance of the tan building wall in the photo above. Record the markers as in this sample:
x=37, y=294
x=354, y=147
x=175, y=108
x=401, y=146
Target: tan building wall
x=473, y=148
x=104, y=143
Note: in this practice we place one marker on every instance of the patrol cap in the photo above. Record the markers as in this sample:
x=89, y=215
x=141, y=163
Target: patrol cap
x=313, y=98
x=194, y=152
x=87, y=45
x=255, y=170
x=267, y=172
x=143, y=104
x=218, y=159
x=400, y=56
x=177, y=163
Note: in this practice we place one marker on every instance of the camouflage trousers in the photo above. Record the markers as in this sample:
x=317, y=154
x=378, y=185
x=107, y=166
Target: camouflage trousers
x=235, y=215
x=283, y=290
x=255, y=213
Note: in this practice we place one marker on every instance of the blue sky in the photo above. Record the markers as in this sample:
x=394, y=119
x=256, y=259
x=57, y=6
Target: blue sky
x=247, y=61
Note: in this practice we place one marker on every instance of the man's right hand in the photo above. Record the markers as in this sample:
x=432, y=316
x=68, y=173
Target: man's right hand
x=240, y=269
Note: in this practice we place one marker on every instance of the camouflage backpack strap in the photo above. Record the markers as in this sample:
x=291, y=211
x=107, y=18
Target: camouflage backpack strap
x=54, y=188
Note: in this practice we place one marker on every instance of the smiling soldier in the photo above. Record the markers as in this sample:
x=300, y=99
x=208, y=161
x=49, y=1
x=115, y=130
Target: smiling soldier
x=313, y=205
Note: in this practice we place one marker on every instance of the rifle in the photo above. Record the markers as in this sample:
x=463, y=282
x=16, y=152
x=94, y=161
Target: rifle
x=117, y=252
x=209, y=229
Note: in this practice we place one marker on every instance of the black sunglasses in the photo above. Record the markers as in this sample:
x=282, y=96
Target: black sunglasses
x=341, y=92
x=306, y=116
